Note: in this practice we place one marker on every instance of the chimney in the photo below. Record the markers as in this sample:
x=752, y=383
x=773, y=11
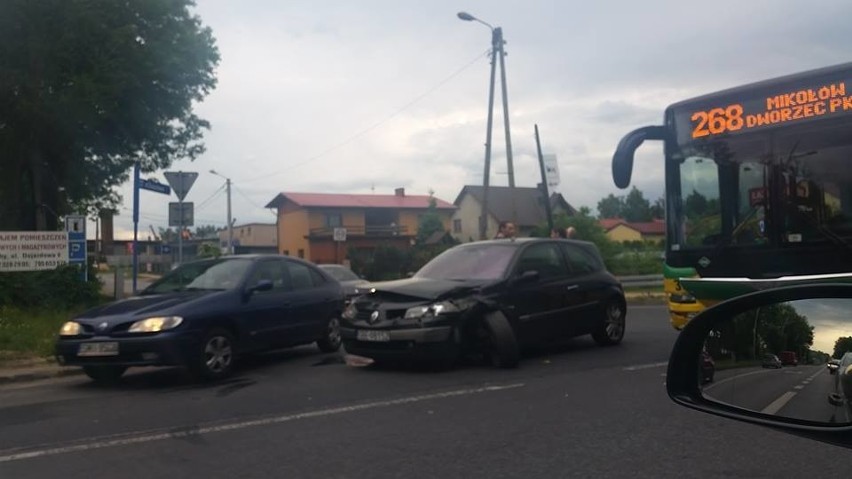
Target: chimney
x=399, y=192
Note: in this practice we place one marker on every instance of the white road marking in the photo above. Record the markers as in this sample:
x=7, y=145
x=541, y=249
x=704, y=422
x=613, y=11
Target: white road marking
x=778, y=403
x=799, y=387
x=646, y=366
x=95, y=443
x=723, y=381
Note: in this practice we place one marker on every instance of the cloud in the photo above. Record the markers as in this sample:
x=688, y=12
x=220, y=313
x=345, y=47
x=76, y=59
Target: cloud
x=317, y=96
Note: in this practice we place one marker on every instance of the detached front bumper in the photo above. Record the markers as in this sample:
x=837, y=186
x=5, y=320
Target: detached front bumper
x=431, y=343
x=163, y=349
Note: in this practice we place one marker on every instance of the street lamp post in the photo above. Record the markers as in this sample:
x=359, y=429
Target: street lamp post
x=230, y=221
x=497, y=43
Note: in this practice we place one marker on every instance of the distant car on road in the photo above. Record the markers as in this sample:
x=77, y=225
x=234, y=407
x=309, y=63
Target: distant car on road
x=351, y=282
x=494, y=297
x=708, y=367
x=842, y=395
x=788, y=358
x=832, y=365
x=204, y=314
x=771, y=361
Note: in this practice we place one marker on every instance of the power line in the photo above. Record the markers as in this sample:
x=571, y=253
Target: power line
x=210, y=198
x=249, y=199
x=377, y=124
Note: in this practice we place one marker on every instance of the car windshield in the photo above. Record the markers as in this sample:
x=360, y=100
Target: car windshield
x=202, y=275
x=340, y=273
x=486, y=261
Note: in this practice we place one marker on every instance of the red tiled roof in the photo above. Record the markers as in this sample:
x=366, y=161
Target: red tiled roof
x=655, y=227
x=334, y=200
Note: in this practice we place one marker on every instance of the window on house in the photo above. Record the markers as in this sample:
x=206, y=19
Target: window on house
x=249, y=231
x=457, y=226
x=334, y=220
x=301, y=253
x=286, y=252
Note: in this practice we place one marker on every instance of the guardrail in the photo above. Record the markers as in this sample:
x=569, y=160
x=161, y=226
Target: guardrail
x=642, y=280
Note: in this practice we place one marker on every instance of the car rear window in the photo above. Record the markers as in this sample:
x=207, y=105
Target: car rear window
x=580, y=260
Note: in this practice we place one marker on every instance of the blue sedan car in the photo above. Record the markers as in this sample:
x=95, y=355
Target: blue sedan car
x=204, y=314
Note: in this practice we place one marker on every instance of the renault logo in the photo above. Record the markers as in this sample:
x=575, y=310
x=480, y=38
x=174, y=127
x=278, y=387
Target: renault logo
x=704, y=261
x=374, y=316
x=102, y=326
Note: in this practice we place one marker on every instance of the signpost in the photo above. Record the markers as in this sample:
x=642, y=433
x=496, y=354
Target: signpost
x=181, y=182
x=339, y=237
x=551, y=170
x=150, y=185
x=155, y=186
x=75, y=226
x=181, y=214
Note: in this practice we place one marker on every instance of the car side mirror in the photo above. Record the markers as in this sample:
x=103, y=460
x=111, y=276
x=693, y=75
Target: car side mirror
x=767, y=358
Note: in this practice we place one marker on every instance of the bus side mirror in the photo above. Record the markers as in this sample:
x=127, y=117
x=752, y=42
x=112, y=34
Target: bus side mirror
x=622, y=160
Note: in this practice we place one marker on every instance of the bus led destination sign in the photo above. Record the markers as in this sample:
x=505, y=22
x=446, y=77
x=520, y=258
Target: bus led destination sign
x=809, y=103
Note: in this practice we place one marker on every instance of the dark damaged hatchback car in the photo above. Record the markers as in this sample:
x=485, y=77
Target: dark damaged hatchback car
x=492, y=298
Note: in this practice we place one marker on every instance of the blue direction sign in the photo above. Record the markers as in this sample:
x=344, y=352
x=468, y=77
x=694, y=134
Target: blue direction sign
x=75, y=225
x=155, y=186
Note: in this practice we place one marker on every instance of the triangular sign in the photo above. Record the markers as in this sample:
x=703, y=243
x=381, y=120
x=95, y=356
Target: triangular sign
x=181, y=182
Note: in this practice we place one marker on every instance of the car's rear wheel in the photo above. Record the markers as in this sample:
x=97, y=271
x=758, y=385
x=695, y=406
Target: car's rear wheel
x=502, y=345
x=611, y=330
x=104, y=374
x=330, y=342
x=214, y=359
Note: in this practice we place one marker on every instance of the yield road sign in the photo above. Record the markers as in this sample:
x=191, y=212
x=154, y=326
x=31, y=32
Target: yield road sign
x=181, y=182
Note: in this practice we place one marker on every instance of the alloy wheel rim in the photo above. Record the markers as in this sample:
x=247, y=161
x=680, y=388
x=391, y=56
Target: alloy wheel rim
x=333, y=334
x=218, y=354
x=614, y=322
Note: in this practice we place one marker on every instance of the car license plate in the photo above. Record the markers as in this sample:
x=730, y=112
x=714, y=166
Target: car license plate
x=377, y=336
x=98, y=349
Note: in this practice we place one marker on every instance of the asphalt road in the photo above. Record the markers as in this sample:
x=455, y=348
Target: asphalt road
x=573, y=411
x=800, y=392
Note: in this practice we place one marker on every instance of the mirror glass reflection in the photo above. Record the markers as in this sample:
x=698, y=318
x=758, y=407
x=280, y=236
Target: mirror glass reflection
x=790, y=359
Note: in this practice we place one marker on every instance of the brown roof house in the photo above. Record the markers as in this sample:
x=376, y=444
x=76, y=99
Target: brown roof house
x=321, y=227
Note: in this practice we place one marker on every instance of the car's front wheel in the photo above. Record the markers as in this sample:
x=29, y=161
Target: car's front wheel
x=214, y=359
x=104, y=374
x=611, y=330
x=330, y=342
x=502, y=344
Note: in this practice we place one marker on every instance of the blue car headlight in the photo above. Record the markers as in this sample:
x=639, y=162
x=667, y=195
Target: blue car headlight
x=155, y=325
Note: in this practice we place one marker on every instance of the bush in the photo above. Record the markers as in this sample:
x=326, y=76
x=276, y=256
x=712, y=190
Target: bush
x=58, y=289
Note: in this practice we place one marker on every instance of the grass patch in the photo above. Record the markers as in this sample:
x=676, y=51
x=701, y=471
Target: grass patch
x=27, y=333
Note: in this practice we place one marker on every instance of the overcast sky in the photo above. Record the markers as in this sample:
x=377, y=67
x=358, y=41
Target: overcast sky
x=345, y=96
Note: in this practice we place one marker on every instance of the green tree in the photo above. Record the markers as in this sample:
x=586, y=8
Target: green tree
x=842, y=346
x=87, y=89
x=206, y=231
x=658, y=209
x=611, y=207
x=208, y=250
x=635, y=207
x=430, y=221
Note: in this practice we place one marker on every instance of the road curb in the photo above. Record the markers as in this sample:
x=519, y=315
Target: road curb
x=12, y=376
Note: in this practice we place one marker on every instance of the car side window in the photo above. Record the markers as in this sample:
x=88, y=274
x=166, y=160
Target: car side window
x=581, y=262
x=317, y=278
x=300, y=275
x=544, y=258
x=270, y=271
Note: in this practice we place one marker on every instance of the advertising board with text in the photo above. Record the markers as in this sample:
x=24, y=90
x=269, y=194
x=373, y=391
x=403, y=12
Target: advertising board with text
x=32, y=250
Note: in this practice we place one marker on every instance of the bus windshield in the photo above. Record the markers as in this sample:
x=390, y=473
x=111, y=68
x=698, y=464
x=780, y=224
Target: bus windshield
x=778, y=187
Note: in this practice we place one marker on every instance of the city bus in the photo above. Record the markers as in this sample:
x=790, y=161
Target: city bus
x=758, y=187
